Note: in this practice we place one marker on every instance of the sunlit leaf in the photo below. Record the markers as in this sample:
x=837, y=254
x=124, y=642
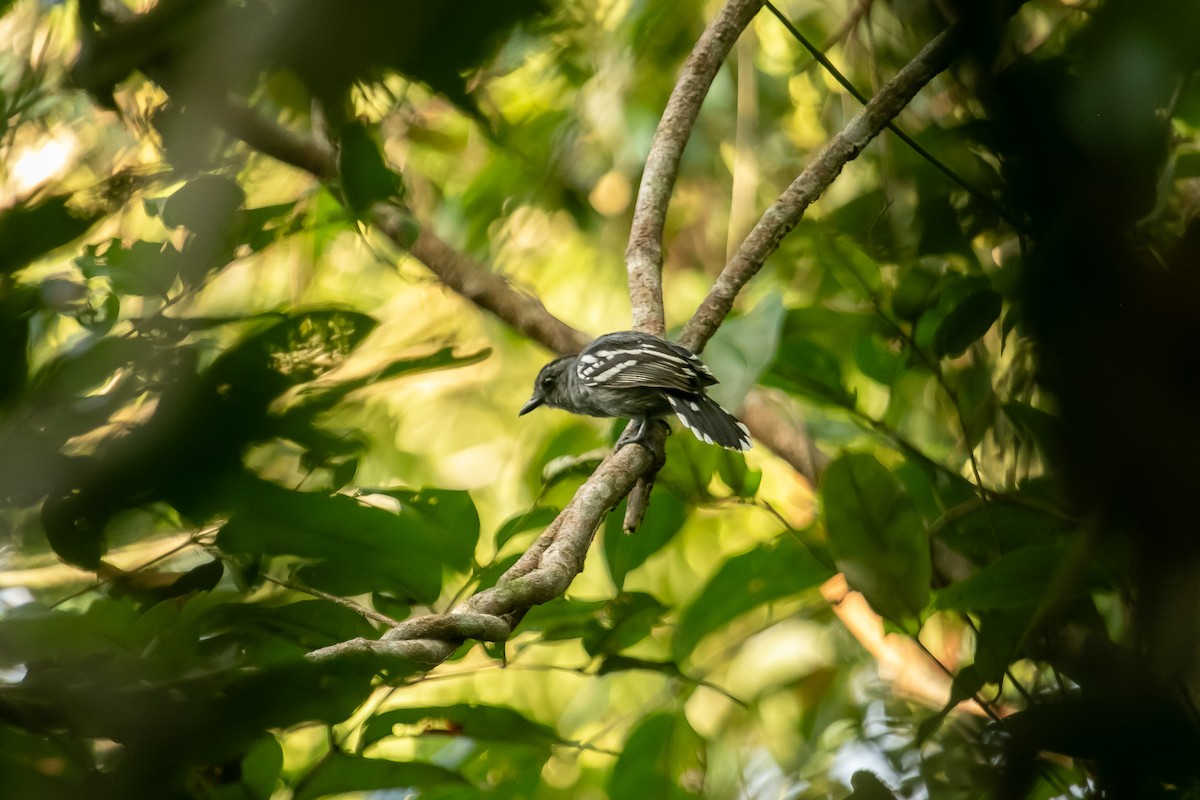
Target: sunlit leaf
x=772, y=571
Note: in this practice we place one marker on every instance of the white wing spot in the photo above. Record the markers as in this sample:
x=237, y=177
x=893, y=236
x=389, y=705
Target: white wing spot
x=588, y=358
x=695, y=406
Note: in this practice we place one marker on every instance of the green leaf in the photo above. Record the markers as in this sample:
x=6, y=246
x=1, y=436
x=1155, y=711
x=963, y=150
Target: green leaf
x=31, y=230
x=807, y=369
x=563, y=618
x=309, y=624
x=967, y=308
x=626, y=620
x=849, y=264
x=1021, y=578
x=663, y=758
x=366, y=177
x=740, y=479
x=474, y=720
x=882, y=360
x=742, y=349
x=261, y=767
x=145, y=269
x=965, y=685
x=618, y=663
x=876, y=536
x=353, y=547
x=531, y=519
x=868, y=787
x=339, y=773
x=916, y=293
x=1045, y=430
x=626, y=552
x=298, y=348
x=205, y=205
x=772, y=571
x=448, y=514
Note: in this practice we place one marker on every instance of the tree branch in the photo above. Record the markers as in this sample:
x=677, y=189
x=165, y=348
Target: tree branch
x=643, y=256
x=778, y=220
x=543, y=573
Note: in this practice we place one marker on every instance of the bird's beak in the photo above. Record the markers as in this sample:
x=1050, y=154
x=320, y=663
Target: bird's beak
x=535, y=401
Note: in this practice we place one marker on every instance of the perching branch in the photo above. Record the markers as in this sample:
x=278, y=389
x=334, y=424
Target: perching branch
x=785, y=212
x=542, y=574
x=643, y=256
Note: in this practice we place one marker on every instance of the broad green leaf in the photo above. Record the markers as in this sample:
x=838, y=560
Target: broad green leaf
x=1042, y=428
x=617, y=663
x=772, y=571
x=868, y=787
x=307, y=623
x=626, y=552
x=448, y=514
x=1025, y=577
x=851, y=266
x=964, y=685
x=740, y=479
x=366, y=177
x=31, y=230
x=967, y=308
x=562, y=618
x=146, y=269
x=625, y=620
x=260, y=768
x=663, y=758
x=876, y=536
x=531, y=519
x=339, y=773
x=881, y=359
x=916, y=293
x=297, y=348
x=807, y=369
x=473, y=720
x=985, y=532
x=742, y=349
x=352, y=547
x=205, y=205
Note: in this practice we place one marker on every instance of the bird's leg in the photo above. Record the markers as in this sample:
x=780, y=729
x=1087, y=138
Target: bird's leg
x=641, y=433
x=632, y=434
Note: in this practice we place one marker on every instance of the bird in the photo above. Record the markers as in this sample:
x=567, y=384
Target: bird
x=639, y=377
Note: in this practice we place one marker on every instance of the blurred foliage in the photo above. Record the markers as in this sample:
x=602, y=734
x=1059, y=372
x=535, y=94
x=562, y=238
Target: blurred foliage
x=239, y=425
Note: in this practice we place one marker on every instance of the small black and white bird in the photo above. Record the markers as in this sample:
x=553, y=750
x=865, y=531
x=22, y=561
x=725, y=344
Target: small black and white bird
x=639, y=377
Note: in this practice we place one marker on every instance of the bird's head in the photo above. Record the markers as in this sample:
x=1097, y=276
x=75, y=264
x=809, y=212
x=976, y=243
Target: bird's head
x=549, y=385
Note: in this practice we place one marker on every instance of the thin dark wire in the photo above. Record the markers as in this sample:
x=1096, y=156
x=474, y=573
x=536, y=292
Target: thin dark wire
x=820, y=58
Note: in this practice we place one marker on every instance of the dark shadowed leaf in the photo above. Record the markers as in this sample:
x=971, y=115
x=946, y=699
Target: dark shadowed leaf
x=562, y=618
x=967, y=307
x=626, y=552
x=663, y=758
x=30, y=231
x=625, y=620
x=339, y=773
x=876, y=536
x=868, y=787
x=473, y=720
x=1021, y=578
x=366, y=177
x=352, y=547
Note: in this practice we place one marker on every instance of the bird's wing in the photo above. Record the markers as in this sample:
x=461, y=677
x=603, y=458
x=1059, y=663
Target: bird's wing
x=631, y=359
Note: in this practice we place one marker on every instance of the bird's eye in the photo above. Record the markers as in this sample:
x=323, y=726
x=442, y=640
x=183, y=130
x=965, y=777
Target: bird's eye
x=548, y=382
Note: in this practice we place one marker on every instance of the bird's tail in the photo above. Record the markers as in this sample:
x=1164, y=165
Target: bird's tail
x=709, y=422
